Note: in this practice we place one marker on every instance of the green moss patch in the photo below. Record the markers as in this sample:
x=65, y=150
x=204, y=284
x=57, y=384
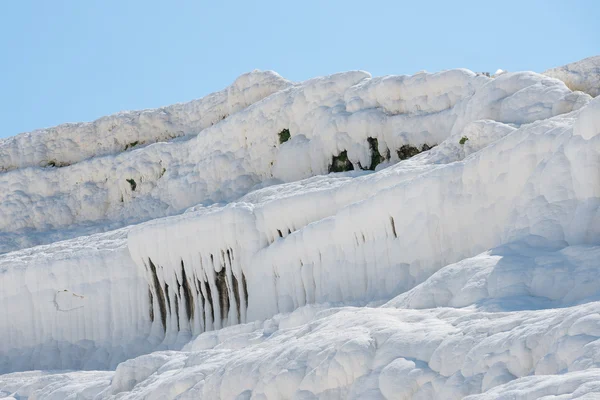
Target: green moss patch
x=407, y=151
x=284, y=136
x=132, y=184
x=340, y=163
x=376, y=157
x=132, y=145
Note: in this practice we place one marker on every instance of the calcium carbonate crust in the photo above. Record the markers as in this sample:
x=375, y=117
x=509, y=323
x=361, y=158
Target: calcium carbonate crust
x=454, y=254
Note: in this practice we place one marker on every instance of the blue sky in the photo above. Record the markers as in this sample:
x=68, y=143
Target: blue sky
x=77, y=60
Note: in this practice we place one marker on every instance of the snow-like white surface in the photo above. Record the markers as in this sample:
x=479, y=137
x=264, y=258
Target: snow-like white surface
x=358, y=353
x=225, y=161
x=73, y=304
x=583, y=75
x=70, y=143
x=468, y=269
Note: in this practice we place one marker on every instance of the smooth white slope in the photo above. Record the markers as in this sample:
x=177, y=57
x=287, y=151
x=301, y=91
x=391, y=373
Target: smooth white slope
x=529, y=274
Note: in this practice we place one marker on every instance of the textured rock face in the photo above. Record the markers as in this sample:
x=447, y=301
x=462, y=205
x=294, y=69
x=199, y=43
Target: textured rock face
x=326, y=117
x=454, y=256
x=68, y=144
x=583, y=75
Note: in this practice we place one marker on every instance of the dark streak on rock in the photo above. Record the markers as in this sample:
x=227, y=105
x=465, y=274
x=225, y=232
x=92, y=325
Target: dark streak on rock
x=245, y=289
x=203, y=302
x=187, y=294
x=160, y=296
x=177, y=312
x=151, y=300
x=168, y=297
x=236, y=294
x=229, y=256
x=210, y=301
x=221, y=283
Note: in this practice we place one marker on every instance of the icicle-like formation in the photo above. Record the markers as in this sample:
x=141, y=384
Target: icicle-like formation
x=513, y=157
x=78, y=304
x=401, y=229
x=194, y=272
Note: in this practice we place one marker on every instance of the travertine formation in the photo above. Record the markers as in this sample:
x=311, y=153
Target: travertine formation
x=398, y=237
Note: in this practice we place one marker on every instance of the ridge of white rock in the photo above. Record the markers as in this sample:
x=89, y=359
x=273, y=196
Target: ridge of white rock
x=326, y=116
x=70, y=143
x=469, y=269
x=583, y=75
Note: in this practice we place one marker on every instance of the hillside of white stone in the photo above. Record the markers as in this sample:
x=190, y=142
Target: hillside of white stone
x=426, y=236
x=583, y=75
x=362, y=122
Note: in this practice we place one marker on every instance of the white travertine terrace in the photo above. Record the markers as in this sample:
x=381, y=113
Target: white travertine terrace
x=454, y=255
